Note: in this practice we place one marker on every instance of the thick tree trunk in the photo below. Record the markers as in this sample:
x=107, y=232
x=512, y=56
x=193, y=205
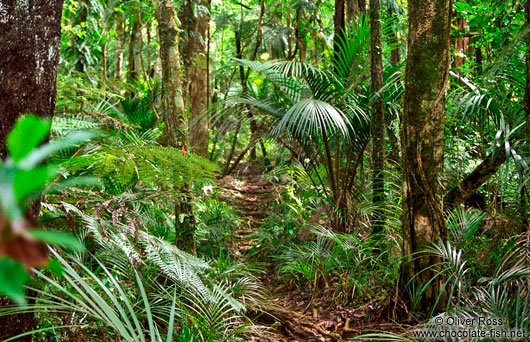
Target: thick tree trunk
x=120, y=42
x=423, y=140
x=378, y=116
x=29, y=54
x=195, y=23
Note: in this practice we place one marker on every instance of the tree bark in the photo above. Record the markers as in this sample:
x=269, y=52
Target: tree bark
x=133, y=66
x=524, y=189
x=195, y=25
x=339, y=26
x=173, y=113
x=527, y=87
x=422, y=142
x=378, y=116
x=120, y=42
x=30, y=35
x=461, y=43
x=351, y=14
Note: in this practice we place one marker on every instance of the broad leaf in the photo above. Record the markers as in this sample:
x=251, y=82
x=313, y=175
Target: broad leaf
x=28, y=133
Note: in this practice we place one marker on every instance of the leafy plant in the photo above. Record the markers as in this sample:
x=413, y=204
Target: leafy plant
x=23, y=178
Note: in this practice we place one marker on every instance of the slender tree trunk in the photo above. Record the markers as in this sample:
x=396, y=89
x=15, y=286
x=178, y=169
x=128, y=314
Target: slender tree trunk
x=339, y=26
x=133, y=66
x=378, y=116
x=395, y=57
x=351, y=14
x=120, y=42
x=461, y=43
x=195, y=23
x=362, y=6
x=80, y=65
x=524, y=189
x=173, y=113
x=527, y=87
x=422, y=142
x=29, y=55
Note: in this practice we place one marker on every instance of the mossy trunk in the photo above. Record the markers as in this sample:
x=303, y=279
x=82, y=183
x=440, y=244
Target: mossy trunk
x=422, y=137
x=120, y=42
x=378, y=117
x=30, y=35
x=173, y=113
x=195, y=21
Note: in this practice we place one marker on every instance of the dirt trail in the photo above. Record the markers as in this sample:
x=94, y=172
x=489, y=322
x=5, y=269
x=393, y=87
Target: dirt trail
x=289, y=315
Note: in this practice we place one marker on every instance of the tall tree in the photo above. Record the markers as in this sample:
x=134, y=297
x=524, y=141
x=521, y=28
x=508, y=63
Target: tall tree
x=195, y=19
x=30, y=35
x=120, y=42
x=524, y=189
x=378, y=115
x=135, y=44
x=173, y=112
x=339, y=26
x=527, y=88
x=422, y=137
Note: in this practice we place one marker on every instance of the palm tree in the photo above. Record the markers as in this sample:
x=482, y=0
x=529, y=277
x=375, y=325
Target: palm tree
x=320, y=116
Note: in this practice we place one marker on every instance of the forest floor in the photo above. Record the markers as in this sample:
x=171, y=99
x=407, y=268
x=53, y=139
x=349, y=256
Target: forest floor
x=288, y=313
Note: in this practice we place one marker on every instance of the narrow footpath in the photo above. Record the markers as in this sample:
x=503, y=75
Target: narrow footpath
x=288, y=314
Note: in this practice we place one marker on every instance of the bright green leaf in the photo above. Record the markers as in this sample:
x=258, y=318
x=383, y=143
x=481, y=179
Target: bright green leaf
x=12, y=280
x=28, y=133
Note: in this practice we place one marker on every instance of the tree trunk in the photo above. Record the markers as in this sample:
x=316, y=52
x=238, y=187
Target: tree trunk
x=524, y=191
x=339, y=26
x=120, y=33
x=195, y=23
x=133, y=65
x=422, y=142
x=461, y=43
x=351, y=14
x=362, y=6
x=173, y=113
x=395, y=57
x=527, y=88
x=29, y=49
x=83, y=15
x=378, y=116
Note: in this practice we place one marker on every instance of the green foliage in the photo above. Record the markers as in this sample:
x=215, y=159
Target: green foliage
x=124, y=166
x=23, y=176
x=217, y=224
